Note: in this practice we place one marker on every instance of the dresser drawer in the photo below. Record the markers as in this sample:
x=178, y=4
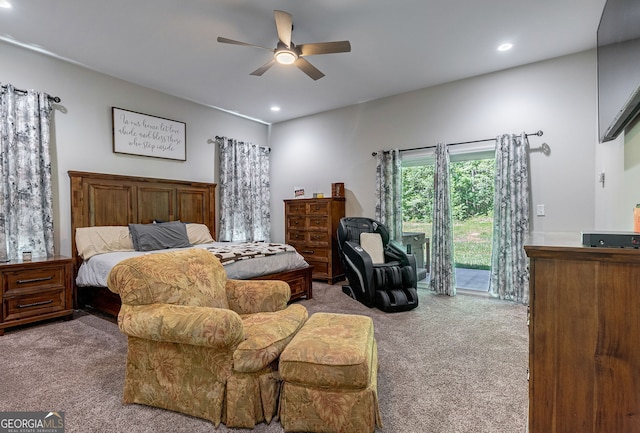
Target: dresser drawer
x=296, y=236
x=320, y=268
x=313, y=253
x=319, y=208
x=308, y=239
x=27, y=280
x=296, y=222
x=319, y=238
x=19, y=307
x=297, y=208
x=317, y=222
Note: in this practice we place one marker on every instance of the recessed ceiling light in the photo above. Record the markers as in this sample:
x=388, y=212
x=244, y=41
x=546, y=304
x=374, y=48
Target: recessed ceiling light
x=275, y=108
x=5, y=4
x=505, y=47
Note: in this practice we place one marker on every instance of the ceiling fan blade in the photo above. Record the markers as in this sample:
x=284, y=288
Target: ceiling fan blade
x=231, y=41
x=308, y=69
x=264, y=68
x=284, y=25
x=324, y=48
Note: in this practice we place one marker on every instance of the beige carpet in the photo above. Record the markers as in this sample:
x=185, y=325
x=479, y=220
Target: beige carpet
x=452, y=365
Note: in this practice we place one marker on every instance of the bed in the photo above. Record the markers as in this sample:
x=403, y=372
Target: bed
x=99, y=199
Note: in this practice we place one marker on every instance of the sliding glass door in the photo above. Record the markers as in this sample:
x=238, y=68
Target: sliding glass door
x=472, y=191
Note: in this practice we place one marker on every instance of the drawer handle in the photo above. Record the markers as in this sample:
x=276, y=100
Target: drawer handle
x=308, y=252
x=35, y=304
x=34, y=280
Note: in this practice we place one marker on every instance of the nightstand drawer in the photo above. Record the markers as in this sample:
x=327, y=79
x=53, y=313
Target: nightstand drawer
x=26, y=280
x=35, y=290
x=18, y=307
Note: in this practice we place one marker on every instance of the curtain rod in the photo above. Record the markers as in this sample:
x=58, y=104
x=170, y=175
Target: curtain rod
x=55, y=99
x=539, y=134
x=217, y=137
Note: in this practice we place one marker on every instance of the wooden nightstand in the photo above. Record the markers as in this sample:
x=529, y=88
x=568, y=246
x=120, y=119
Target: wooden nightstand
x=36, y=290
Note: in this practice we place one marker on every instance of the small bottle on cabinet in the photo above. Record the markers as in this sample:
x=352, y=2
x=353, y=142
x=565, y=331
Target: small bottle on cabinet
x=636, y=218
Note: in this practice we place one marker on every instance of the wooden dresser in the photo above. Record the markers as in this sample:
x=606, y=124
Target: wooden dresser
x=311, y=226
x=36, y=290
x=584, y=339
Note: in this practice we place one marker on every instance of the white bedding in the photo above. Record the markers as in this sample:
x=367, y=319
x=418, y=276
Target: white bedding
x=94, y=271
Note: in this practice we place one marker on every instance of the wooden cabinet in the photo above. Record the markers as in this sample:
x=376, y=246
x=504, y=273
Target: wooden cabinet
x=584, y=340
x=36, y=290
x=311, y=226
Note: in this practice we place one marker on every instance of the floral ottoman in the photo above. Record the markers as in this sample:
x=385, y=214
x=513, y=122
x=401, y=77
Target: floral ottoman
x=329, y=372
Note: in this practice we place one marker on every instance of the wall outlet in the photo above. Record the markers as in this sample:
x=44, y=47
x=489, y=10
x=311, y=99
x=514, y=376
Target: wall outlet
x=540, y=210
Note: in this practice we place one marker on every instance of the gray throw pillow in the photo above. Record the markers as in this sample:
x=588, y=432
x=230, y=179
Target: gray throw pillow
x=149, y=237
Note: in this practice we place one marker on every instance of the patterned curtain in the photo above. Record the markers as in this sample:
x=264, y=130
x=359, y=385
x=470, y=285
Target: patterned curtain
x=443, y=277
x=245, y=194
x=389, y=191
x=509, y=263
x=26, y=222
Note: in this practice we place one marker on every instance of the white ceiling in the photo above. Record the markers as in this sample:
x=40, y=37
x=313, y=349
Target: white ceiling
x=397, y=46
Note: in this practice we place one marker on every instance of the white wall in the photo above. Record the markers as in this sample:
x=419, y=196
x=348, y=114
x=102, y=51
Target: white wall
x=82, y=136
x=557, y=96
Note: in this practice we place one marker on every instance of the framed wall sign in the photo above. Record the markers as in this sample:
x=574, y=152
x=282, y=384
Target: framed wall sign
x=141, y=134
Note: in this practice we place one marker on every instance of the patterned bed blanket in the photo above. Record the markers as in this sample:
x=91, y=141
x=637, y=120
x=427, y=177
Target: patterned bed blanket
x=248, y=250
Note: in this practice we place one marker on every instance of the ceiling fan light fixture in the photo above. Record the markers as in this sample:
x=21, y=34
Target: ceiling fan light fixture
x=285, y=56
x=288, y=53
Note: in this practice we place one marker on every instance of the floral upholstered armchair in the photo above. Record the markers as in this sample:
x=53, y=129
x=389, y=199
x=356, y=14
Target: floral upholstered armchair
x=199, y=343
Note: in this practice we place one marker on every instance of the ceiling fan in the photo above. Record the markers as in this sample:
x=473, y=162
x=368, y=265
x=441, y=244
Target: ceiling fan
x=287, y=53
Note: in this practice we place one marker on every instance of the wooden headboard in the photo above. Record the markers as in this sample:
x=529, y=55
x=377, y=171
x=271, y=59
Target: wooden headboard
x=99, y=199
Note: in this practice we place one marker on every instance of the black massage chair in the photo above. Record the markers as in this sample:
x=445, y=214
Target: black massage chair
x=384, y=277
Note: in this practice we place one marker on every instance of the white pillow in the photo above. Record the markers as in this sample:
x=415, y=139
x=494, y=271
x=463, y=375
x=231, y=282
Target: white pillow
x=103, y=239
x=372, y=244
x=199, y=234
